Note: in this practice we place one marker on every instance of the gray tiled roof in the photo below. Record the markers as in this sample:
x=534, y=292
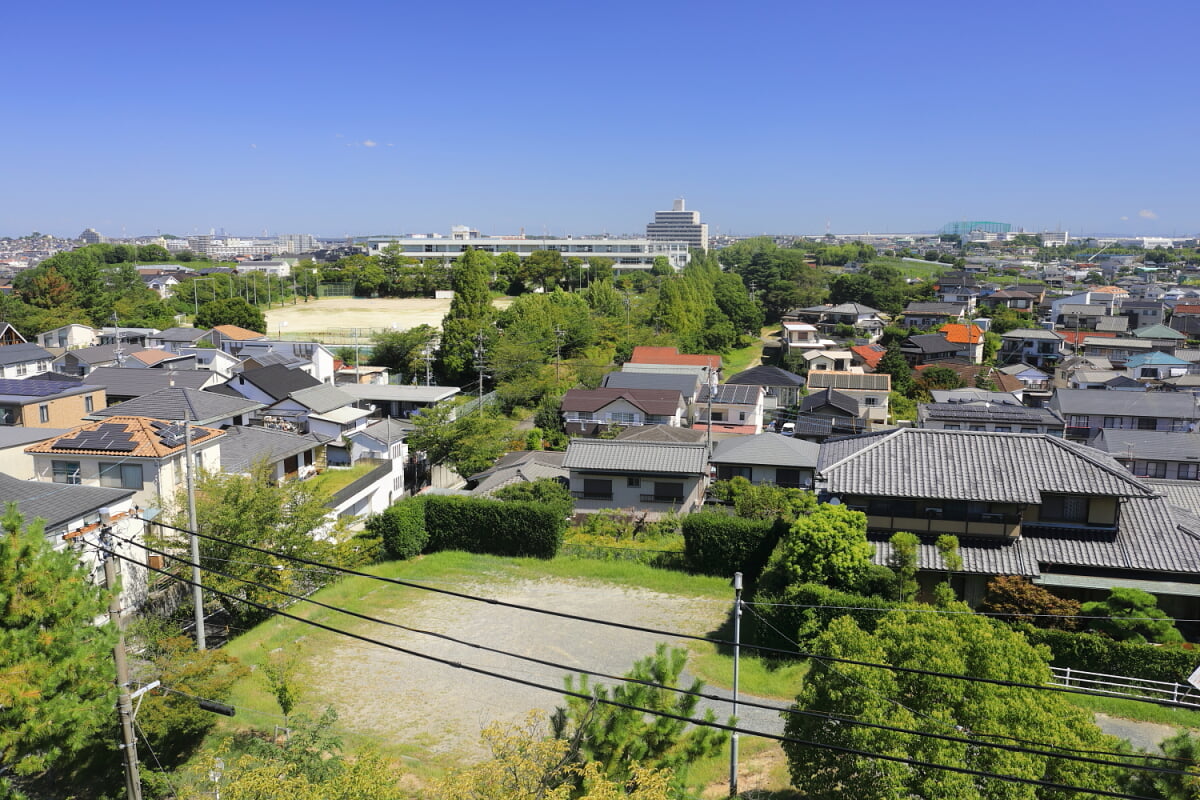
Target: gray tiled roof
x=243, y=446
x=929, y=343
x=989, y=412
x=1031, y=333
x=663, y=402
x=1159, y=445
x=1182, y=494
x=1113, y=324
x=57, y=503
x=137, y=382
x=1173, y=405
x=17, y=435
x=388, y=430
x=687, y=384
x=180, y=403
x=849, y=381
x=662, y=433
x=962, y=465
x=740, y=394
x=323, y=398
x=766, y=449
x=614, y=455
x=520, y=467
x=26, y=351
x=831, y=397
x=276, y=381
x=100, y=354
x=952, y=309
x=180, y=334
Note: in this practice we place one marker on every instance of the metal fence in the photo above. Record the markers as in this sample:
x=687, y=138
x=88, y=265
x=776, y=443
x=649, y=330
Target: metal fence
x=1121, y=686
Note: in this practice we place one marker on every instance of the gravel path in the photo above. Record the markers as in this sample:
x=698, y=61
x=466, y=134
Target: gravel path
x=443, y=709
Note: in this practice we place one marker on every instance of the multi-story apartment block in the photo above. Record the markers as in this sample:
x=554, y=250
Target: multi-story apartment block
x=626, y=254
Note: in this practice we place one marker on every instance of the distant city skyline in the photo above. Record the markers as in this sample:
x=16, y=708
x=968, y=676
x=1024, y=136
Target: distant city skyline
x=769, y=118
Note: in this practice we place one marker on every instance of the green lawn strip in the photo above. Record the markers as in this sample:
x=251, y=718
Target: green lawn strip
x=1138, y=711
x=331, y=480
x=913, y=269
x=763, y=678
x=754, y=756
x=742, y=358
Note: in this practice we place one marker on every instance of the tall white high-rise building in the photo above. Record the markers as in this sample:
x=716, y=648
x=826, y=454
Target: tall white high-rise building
x=679, y=225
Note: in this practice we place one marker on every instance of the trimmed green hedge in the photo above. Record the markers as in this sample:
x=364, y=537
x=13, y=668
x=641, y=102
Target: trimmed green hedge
x=1093, y=653
x=402, y=528
x=719, y=544
x=502, y=528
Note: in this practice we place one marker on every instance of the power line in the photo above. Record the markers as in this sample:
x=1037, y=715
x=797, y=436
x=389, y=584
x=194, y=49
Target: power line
x=675, y=634
x=953, y=612
x=651, y=684
x=679, y=717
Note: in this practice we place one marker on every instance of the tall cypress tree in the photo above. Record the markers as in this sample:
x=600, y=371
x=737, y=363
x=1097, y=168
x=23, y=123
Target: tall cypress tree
x=471, y=314
x=56, y=674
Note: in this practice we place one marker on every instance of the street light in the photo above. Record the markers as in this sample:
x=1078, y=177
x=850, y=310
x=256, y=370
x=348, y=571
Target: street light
x=282, y=325
x=196, y=294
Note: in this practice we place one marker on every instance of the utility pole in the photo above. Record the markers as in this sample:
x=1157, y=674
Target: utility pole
x=197, y=591
x=133, y=780
x=558, y=334
x=428, y=353
x=479, y=366
x=737, y=639
x=712, y=389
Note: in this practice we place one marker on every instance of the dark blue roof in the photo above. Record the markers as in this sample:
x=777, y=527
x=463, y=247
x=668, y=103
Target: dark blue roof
x=32, y=387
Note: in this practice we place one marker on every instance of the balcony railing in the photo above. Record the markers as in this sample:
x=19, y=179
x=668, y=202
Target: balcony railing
x=592, y=495
x=662, y=498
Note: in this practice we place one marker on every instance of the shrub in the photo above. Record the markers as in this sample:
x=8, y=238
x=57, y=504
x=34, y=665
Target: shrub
x=778, y=619
x=1094, y=653
x=1131, y=615
x=718, y=544
x=828, y=546
x=402, y=528
x=1028, y=602
x=503, y=528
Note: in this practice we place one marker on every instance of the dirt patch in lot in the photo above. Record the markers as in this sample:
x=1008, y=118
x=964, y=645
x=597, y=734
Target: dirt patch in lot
x=341, y=314
x=404, y=699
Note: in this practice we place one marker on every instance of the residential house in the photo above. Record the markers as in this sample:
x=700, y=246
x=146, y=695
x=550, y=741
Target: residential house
x=643, y=354
x=125, y=384
x=868, y=356
x=820, y=360
x=798, y=336
x=326, y=411
x=287, y=456
x=990, y=417
x=1061, y=514
x=1116, y=350
x=138, y=453
x=75, y=517
x=14, y=461
x=871, y=391
x=767, y=459
x=1105, y=380
x=129, y=338
x=269, y=385
x=180, y=404
x=397, y=401
x=589, y=412
x=1165, y=338
x=1032, y=379
x=1078, y=303
x=385, y=440
x=1072, y=364
x=158, y=359
x=229, y=337
x=840, y=411
x=1185, y=318
x=362, y=375
x=23, y=360
x=781, y=389
x=523, y=466
x=10, y=335
x=729, y=408
x=1144, y=313
x=174, y=340
x=865, y=320
x=663, y=433
x=653, y=477
x=968, y=337
x=82, y=361
x=212, y=360
x=687, y=383
x=927, y=348
x=1015, y=299
x=316, y=359
x=1156, y=366
x=69, y=337
x=1081, y=317
x=931, y=315
x=1036, y=346
x=1153, y=454
x=1086, y=411
x=35, y=403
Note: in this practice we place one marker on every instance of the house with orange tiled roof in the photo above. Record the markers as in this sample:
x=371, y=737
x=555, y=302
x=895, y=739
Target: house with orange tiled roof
x=160, y=358
x=229, y=333
x=140, y=453
x=670, y=356
x=969, y=337
x=868, y=355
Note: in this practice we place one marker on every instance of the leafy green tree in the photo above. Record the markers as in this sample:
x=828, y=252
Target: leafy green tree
x=1131, y=615
x=280, y=672
x=468, y=324
x=933, y=378
x=1181, y=752
x=289, y=517
x=404, y=352
x=893, y=363
x=600, y=269
x=905, y=547
x=828, y=546
x=467, y=444
x=546, y=491
x=231, y=311
x=661, y=267
x=56, y=675
x=763, y=501
x=736, y=304
x=544, y=267
x=619, y=739
x=958, y=644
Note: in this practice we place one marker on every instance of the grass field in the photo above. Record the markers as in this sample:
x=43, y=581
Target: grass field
x=913, y=269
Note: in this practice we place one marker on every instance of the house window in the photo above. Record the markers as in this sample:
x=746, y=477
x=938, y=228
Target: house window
x=1156, y=469
x=623, y=417
x=1112, y=422
x=1003, y=429
x=121, y=476
x=668, y=492
x=953, y=426
x=741, y=416
x=44, y=412
x=717, y=416
x=1189, y=472
x=87, y=404
x=596, y=489
x=788, y=478
x=1064, y=508
x=8, y=415
x=870, y=401
x=726, y=472
x=66, y=472
x=1147, y=424
x=634, y=481
x=978, y=428
x=21, y=369
x=1029, y=430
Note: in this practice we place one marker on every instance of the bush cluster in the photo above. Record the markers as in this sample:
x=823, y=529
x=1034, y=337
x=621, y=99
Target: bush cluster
x=719, y=544
x=1095, y=653
x=778, y=618
x=402, y=528
x=480, y=525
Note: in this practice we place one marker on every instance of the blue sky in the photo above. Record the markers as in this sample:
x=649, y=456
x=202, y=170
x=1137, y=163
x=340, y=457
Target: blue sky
x=374, y=117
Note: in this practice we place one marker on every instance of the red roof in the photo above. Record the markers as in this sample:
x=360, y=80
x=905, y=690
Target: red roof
x=957, y=333
x=670, y=355
x=1077, y=337
x=725, y=427
x=869, y=353
x=1184, y=308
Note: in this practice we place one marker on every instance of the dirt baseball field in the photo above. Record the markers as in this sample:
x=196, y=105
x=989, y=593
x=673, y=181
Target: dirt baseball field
x=342, y=314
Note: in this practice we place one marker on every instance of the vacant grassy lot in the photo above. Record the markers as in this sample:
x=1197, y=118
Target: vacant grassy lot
x=341, y=315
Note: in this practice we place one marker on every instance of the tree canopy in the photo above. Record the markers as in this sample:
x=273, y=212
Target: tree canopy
x=827, y=546
x=231, y=311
